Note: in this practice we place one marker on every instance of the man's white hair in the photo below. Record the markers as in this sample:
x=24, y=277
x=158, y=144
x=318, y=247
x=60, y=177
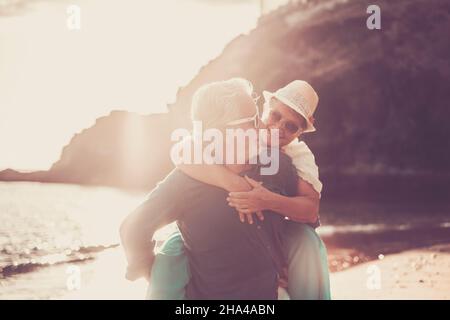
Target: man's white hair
x=217, y=103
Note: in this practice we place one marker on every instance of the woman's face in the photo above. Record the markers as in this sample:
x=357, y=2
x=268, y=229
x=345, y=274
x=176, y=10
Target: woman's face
x=289, y=123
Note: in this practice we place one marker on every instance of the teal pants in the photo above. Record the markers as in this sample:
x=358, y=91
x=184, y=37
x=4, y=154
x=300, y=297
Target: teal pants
x=308, y=277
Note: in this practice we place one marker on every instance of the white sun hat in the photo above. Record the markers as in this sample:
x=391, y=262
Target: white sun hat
x=299, y=96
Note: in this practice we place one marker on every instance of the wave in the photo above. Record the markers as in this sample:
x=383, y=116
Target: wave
x=329, y=231
x=30, y=264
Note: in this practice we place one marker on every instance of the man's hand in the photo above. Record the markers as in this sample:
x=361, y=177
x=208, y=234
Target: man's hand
x=134, y=273
x=141, y=264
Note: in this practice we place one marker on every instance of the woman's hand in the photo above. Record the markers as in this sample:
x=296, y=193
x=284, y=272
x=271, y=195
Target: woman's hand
x=250, y=202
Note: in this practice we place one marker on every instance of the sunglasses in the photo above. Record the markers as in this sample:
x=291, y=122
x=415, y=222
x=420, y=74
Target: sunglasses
x=290, y=126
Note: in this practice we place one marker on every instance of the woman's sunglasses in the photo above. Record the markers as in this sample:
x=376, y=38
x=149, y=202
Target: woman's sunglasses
x=288, y=125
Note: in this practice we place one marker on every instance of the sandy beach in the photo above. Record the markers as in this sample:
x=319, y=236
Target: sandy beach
x=413, y=274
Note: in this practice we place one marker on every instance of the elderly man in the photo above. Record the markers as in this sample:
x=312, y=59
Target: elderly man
x=227, y=259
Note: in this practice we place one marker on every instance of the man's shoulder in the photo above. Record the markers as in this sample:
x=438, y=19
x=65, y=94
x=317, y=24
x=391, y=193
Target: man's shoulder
x=176, y=181
x=285, y=179
x=174, y=175
x=285, y=166
x=180, y=181
x=286, y=170
x=285, y=161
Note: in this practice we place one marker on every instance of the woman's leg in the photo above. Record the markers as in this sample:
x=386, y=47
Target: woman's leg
x=308, y=277
x=170, y=271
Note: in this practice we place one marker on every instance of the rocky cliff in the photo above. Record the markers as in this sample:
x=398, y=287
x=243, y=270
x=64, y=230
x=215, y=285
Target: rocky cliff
x=383, y=108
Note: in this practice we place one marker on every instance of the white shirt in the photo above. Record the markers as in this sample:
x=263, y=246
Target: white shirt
x=305, y=163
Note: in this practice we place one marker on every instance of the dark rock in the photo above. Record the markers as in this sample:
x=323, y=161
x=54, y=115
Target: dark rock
x=383, y=112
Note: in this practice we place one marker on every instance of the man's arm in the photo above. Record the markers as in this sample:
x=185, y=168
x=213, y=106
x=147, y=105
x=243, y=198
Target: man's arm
x=162, y=206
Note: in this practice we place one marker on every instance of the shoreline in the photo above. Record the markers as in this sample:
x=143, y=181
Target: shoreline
x=367, y=186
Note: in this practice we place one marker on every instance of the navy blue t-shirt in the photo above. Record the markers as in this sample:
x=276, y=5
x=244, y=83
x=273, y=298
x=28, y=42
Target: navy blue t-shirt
x=229, y=259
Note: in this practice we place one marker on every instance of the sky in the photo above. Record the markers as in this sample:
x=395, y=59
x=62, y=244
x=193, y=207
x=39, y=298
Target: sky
x=54, y=81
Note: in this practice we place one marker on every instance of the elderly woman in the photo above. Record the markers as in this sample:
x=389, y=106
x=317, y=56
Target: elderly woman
x=290, y=110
